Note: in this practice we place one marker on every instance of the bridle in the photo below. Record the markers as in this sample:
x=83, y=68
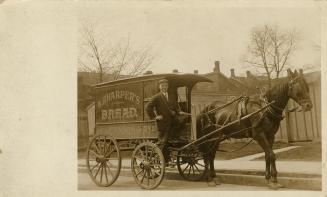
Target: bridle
x=301, y=101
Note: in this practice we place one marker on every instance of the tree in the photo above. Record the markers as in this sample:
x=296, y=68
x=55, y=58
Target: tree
x=97, y=54
x=270, y=49
x=130, y=60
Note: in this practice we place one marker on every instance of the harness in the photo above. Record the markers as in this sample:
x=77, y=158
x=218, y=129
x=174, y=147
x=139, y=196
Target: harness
x=240, y=108
x=272, y=110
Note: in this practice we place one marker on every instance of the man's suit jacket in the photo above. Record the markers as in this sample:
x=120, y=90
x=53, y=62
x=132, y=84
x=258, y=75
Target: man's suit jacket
x=162, y=107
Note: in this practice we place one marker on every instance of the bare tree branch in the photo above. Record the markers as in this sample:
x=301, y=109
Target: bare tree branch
x=97, y=54
x=270, y=49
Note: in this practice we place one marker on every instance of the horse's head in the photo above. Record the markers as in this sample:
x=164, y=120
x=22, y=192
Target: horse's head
x=299, y=89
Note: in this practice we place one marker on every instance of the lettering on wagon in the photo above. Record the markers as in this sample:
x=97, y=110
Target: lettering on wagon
x=119, y=113
x=114, y=96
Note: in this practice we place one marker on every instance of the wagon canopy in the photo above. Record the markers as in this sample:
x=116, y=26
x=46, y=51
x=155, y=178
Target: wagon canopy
x=177, y=80
x=188, y=80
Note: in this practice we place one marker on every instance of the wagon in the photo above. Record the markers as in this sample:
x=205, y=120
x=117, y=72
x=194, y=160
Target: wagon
x=122, y=125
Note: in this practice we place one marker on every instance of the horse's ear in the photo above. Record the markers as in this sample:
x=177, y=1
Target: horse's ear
x=295, y=73
x=289, y=73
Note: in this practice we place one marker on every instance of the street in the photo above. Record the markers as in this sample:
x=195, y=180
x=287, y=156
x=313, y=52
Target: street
x=172, y=181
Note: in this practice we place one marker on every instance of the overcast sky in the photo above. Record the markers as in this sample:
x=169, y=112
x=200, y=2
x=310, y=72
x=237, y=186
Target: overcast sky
x=189, y=36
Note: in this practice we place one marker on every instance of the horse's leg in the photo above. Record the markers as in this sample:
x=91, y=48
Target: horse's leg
x=273, y=169
x=208, y=176
x=213, y=172
x=269, y=156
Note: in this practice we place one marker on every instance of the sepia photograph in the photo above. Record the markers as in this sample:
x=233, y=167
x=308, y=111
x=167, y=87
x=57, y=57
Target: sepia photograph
x=165, y=97
x=177, y=96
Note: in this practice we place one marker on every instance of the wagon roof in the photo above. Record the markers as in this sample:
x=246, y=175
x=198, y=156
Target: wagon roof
x=176, y=79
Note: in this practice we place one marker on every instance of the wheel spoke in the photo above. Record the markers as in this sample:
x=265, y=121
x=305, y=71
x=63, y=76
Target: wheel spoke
x=200, y=164
x=197, y=168
x=109, y=170
x=143, y=177
x=101, y=144
x=139, y=158
x=97, y=171
x=152, y=153
x=108, y=146
x=186, y=168
x=139, y=172
x=198, y=159
x=94, y=167
x=146, y=153
x=142, y=153
x=105, y=170
x=152, y=175
x=189, y=170
x=147, y=177
x=104, y=145
x=108, y=154
x=94, y=153
x=101, y=174
x=97, y=148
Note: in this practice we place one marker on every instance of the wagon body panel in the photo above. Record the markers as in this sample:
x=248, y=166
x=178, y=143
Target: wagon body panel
x=120, y=105
x=131, y=130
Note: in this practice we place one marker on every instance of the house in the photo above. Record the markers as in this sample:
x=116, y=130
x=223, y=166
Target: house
x=222, y=89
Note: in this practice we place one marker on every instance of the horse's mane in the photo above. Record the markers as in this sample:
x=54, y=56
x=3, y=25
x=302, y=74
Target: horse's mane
x=278, y=93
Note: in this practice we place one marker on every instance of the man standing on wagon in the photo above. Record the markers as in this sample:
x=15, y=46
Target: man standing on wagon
x=164, y=110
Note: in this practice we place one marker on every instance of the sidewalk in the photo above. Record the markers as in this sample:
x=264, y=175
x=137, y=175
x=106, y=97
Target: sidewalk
x=303, y=175
x=296, y=167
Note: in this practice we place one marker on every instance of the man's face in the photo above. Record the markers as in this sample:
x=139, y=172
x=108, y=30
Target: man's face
x=163, y=87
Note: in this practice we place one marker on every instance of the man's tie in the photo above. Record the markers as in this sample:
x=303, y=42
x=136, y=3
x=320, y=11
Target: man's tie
x=166, y=95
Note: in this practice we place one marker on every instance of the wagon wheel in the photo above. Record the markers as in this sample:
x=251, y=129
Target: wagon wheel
x=191, y=165
x=103, y=160
x=148, y=165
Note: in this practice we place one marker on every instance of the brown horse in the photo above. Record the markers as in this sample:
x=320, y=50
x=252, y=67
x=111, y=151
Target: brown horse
x=262, y=127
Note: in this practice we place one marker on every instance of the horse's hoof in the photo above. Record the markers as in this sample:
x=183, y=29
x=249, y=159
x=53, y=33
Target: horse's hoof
x=211, y=183
x=217, y=181
x=273, y=185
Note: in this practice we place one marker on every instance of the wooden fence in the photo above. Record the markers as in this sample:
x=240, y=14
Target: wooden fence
x=83, y=131
x=300, y=125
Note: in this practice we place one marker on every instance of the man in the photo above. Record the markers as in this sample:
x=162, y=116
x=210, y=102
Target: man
x=164, y=109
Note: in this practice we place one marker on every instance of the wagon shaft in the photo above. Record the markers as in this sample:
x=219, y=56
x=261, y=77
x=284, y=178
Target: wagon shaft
x=229, y=124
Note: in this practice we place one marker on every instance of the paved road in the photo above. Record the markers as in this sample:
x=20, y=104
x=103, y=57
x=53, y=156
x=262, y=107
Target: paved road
x=172, y=181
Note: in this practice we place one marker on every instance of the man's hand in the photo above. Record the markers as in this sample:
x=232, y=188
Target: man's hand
x=159, y=117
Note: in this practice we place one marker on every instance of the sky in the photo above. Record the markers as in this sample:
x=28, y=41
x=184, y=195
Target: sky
x=189, y=36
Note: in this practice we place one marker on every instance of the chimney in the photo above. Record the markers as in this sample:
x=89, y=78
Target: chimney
x=217, y=67
x=175, y=71
x=232, y=73
x=248, y=74
x=149, y=72
x=196, y=72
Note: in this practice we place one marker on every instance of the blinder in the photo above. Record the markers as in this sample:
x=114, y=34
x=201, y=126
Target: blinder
x=301, y=101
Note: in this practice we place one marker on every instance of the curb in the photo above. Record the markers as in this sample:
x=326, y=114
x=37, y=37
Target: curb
x=287, y=182
x=249, y=178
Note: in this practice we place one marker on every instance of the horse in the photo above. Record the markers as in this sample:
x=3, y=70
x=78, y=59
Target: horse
x=261, y=127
